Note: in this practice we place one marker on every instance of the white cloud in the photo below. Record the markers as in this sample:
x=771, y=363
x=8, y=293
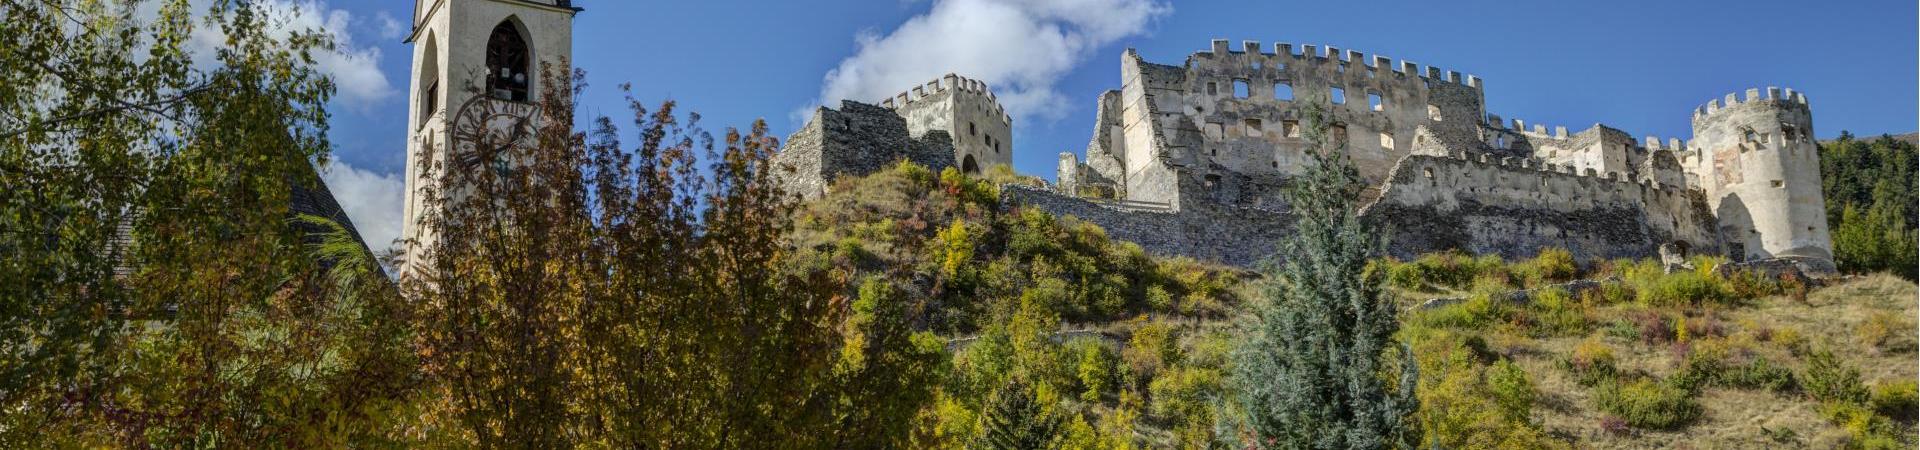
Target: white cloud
x=355, y=68
x=1019, y=47
x=372, y=200
x=390, y=28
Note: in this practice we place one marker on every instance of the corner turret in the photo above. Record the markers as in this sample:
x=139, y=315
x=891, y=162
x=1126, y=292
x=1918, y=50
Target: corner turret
x=1760, y=168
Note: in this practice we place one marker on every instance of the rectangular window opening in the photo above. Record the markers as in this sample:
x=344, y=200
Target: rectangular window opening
x=1290, y=128
x=1240, y=89
x=1433, y=112
x=1386, y=140
x=1283, y=91
x=1213, y=88
x=1376, y=102
x=1339, y=95
x=1253, y=127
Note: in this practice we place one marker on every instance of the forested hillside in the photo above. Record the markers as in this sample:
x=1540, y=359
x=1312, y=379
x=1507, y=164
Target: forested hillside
x=1870, y=195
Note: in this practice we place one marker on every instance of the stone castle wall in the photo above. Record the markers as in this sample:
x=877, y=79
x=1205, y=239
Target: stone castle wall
x=857, y=139
x=1234, y=236
x=1515, y=207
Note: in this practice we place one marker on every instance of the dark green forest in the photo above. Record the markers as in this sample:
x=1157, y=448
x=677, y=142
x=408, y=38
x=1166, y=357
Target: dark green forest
x=1870, y=193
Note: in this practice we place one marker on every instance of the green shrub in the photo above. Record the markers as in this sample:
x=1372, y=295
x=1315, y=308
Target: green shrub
x=1182, y=393
x=1647, y=404
x=1557, y=314
x=1095, y=369
x=1683, y=289
x=1511, y=390
x=1552, y=265
x=1760, y=374
x=1865, y=429
x=1830, y=380
x=1896, y=399
x=1591, y=363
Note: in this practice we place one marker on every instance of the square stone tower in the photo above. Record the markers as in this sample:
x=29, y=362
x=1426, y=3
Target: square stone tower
x=463, y=49
x=964, y=108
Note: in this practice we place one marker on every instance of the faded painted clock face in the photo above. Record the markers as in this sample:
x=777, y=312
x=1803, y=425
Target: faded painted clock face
x=485, y=133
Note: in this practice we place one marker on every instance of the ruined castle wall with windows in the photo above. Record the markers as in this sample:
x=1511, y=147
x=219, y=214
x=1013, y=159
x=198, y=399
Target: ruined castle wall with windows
x=1219, y=136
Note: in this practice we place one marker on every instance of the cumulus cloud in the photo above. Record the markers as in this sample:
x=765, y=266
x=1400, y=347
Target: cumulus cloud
x=372, y=200
x=1020, y=47
x=355, y=68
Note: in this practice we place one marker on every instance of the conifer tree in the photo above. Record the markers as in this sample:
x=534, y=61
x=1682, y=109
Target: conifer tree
x=1015, y=420
x=1309, y=371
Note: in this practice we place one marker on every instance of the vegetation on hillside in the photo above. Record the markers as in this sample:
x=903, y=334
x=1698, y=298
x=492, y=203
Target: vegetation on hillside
x=594, y=290
x=1870, y=193
x=1658, y=359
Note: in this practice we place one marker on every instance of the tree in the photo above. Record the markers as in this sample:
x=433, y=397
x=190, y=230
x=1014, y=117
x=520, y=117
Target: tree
x=1016, y=420
x=1870, y=193
x=158, y=290
x=1309, y=371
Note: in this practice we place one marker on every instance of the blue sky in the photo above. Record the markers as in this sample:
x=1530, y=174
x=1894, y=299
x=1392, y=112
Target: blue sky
x=1640, y=66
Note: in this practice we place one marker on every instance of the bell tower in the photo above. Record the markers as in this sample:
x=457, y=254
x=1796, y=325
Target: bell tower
x=468, y=48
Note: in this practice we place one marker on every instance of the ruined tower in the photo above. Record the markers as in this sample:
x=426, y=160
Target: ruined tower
x=1759, y=165
x=967, y=110
x=463, y=48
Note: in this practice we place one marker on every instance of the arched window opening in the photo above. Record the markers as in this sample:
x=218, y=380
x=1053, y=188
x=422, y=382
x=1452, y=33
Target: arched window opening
x=507, y=61
x=429, y=77
x=969, y=166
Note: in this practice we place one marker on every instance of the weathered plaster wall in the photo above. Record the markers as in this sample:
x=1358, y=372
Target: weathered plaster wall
x=1757, y=162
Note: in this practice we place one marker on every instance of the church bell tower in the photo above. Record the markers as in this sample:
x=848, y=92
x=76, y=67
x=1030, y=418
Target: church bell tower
x=468, y=48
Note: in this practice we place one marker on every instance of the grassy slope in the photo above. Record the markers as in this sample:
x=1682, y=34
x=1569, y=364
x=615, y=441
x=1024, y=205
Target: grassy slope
x=1734, y=418
x=890, y=225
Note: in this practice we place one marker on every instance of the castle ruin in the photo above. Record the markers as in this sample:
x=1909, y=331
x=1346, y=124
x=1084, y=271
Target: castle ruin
x=1192, y=160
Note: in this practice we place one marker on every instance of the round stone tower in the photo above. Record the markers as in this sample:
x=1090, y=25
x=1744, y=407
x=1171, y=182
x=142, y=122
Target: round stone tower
x=1759, y=164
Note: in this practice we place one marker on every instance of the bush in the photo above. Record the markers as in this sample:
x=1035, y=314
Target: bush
x=1552, y=265
x=1896, y=399
x=1648, y=404
x=1592, y=362
x=1885, y=332
x=1830, y=380
x=1095, y=369
x=1511, y=390
x=1557, y=314
x=1683, y=289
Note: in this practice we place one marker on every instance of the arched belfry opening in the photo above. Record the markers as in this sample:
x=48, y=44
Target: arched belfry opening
x=969, y=166
x=508, y=59
x=429, y=77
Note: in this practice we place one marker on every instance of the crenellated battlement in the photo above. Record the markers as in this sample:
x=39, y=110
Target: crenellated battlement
x=1521, y=126
x=1787, y=98
x=944, y=83
x=1311, y=54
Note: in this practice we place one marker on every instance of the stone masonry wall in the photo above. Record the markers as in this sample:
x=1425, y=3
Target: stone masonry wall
x=1231, y=236
x=857, y=139
x=1515, y=207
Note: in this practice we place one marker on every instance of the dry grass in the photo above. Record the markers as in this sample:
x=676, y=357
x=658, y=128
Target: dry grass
x=1734, y=418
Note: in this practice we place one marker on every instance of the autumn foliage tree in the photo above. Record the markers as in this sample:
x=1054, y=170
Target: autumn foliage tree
x=156, y=288
x=578, y=289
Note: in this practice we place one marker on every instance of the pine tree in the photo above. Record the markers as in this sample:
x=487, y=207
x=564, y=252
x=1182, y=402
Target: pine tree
x=1015, y=420
x=1309, y=371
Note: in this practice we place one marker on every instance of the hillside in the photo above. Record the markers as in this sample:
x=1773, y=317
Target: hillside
x=1122, y=348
